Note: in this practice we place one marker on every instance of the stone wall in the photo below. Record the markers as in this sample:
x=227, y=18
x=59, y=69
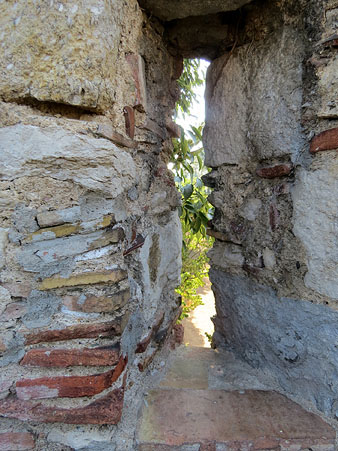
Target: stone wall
x=90, y=237
x=271, y=140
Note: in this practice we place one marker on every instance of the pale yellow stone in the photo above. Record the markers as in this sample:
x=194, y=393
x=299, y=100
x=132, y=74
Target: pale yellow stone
x=83, y=279
x=60, y=52
x=69, y=229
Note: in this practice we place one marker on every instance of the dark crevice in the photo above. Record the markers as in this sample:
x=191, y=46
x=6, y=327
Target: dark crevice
x=50, y=108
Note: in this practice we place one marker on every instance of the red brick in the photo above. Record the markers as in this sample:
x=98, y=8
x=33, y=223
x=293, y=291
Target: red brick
x=108, y=329
x=105, y=410
x=138, y=242
x=136, y=64
x=63, y=358
x=16, y=441
x=279, y=170
x=129, y=118
x=274, y=217
x=327, y=140
x=68, y=386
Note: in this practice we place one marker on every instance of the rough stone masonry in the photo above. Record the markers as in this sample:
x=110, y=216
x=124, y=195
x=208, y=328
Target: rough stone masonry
x=89, y=231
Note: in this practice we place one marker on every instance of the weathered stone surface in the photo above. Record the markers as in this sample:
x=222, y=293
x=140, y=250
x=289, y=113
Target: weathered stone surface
x=5, y=299
x=82, y=440
x=93, y=163
x=107, y=131
x=107, y=329
x=327, y=140
x=42, y=256
x=13, y=311
x=97, y=304
x=178, y=9
x=271, y=172
x=285, y=336
x=251, y=96
x=226, y=255
x=315, y=223
x=109, y=406
x=145, y=341
x=63, y=358
x=18, y=289
x=57, y=217
x=328, y=86
x=16, y=441
x=37, y=62
x=83, y=279
x=40, y=309
x=68, y=386
x=3, y=242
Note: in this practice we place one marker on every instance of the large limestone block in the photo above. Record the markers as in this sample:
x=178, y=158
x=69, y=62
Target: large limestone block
x=316, y=225
x=254, y=100
x=178, y=9
x=59, y=51
x=96, y=164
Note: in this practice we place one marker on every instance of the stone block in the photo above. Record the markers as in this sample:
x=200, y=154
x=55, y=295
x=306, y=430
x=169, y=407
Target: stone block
x=226, y=255
x=14, y=310
x=88, y=278
x=5, y=299
x=3, y=243
x=178, y=9
x=93, y=163
x=64, y=358
x=105, y=410
x=37, y=256
x=328, y=87
x=245, y=92
x=315, y=223
x=108, y=329
x=18, y=289
x=58, y=217
x=97, y=304
x=68, y=386
x=5, y=386
x=16, y=441
x=41, y=307
x=63, y=53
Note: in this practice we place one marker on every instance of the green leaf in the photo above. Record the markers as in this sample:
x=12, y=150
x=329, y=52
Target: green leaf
x=187, y=191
